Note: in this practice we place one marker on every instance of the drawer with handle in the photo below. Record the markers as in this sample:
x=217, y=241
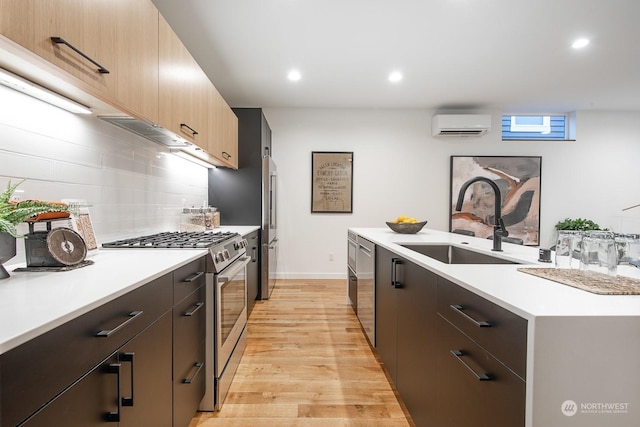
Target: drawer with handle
x=36, y=371
x=496, y=329
x=188, y=278
x=474, y=388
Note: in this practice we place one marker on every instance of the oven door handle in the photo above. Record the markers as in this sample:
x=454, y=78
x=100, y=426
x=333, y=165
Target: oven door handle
x=230, y=274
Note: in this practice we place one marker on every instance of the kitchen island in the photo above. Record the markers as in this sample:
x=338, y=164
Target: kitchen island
x=580, y=347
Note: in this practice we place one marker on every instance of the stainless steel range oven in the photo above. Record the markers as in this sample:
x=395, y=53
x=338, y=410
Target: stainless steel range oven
x=226, y=301
x=228, y=319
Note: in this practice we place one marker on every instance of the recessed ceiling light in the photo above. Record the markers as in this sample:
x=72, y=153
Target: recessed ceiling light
x=395, y=76
x=294, y=75
x=580, y=43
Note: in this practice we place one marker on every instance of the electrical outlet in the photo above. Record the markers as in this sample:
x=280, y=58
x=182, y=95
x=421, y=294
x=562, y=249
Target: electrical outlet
x=330, y=256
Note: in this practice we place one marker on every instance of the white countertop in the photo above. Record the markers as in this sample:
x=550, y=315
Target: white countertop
x=33, y=303
x=526, y=295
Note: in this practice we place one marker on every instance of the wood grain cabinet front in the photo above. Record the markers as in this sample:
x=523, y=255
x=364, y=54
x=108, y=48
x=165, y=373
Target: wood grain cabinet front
x=111, y=45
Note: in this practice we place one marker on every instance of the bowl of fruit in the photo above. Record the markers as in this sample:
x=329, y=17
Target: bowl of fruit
x=406, y=225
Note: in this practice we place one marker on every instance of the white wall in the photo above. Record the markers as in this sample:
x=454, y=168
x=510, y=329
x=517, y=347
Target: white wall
x=132, y=185
x=400, y=169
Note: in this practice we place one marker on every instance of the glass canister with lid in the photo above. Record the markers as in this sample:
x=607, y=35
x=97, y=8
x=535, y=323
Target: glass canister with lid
x=197, y=219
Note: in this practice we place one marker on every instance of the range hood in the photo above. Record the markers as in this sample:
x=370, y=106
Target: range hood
x=148, y=130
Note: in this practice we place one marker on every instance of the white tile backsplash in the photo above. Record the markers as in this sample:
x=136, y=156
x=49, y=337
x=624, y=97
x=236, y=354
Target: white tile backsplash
x=133, y=186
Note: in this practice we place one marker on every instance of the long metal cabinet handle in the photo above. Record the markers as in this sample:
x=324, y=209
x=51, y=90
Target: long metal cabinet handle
x=128, y=357
x=192, y=130
x=194, y=277
x=192, y=312
x=479, y=323
x=226, y=278
x=114, y=417
x=108, y=332
x=60, y=40
x=480, y=377
x=365, y=249
x=198, y=366
x=394, y=274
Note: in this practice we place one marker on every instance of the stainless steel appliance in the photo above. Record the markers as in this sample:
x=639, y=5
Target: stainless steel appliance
x=352, y=288
x=269, y=227
x=226, y=301
x=248, y=196
x=365, y=272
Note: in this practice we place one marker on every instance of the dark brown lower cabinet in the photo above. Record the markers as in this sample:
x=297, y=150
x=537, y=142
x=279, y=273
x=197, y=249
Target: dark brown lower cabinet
x=132, y=387
x=445, y=378
x=189, y=323
x=253, y=269
x=406, y=331
x=474, y=388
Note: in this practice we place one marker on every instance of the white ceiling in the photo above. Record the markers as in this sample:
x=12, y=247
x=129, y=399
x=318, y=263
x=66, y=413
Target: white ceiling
x=512, y=55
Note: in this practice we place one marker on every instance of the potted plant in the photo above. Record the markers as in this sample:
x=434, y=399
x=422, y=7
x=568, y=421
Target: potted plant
x=11, y=214
x=577, y=224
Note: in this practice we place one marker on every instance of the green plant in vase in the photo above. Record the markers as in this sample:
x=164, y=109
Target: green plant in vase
x=13, y=213
x=578, y=224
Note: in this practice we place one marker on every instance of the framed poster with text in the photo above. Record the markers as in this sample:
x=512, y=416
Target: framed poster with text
x=331, y=182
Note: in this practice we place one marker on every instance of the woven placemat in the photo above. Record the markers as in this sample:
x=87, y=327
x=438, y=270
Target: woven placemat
x=589, y=281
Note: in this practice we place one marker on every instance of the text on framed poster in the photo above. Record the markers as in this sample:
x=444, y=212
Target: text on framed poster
x=332, y=182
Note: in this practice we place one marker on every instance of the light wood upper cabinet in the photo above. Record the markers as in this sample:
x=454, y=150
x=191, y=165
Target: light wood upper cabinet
x=223, y=128
x=112, y=45
x=124, y=55
x=137, y=56
x=230, y=140
x=181, y=81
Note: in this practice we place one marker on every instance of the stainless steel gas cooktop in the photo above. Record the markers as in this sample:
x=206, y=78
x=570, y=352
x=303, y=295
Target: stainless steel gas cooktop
x=173, y=240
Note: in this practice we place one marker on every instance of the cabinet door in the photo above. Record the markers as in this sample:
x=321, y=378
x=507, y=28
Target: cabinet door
x=120, y=35
x=386, y=311
x=474, y=388
x=230, y=139
x=253, y=270
x=182, y=107
x=189, y=325
x=90, y=402
x=416, y=341
x=146, y=377
x=136, y=68
x=142, y=368
x=88, y=26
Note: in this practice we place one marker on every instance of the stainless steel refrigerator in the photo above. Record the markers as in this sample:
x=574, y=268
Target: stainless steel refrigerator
x=247, y=196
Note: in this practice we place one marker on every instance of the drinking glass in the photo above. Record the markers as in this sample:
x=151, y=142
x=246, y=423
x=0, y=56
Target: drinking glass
x=599, y=253
x=628, y=249
x=568, y=248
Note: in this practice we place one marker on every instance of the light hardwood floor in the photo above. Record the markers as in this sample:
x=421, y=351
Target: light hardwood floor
x=307, y=363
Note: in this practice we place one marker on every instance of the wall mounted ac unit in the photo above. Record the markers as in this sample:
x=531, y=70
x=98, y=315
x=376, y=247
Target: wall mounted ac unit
x=460, y=124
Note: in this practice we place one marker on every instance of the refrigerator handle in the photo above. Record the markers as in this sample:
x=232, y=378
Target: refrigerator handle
x=272, y=201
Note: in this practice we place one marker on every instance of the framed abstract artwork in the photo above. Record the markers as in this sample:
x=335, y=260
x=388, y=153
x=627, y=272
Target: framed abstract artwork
x=518, y=179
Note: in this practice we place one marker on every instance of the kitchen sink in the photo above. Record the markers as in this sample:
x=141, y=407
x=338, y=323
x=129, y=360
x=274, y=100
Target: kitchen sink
x=449, y=254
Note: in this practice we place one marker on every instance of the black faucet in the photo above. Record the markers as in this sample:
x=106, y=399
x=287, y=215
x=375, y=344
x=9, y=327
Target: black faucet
x=499, y=230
